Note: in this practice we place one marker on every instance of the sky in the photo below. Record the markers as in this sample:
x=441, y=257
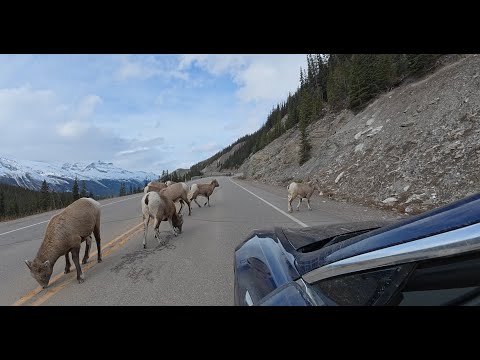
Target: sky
x=141, y=112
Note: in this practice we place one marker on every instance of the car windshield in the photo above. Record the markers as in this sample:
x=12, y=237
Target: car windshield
x=447, y=282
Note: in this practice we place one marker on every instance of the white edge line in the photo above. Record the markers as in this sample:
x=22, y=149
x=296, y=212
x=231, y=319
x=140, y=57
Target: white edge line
x=273, y=206
x=43, y=222
x=8, y=232
x=114, y=202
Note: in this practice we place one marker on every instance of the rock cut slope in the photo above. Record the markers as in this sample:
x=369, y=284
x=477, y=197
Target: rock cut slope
x=412, y=149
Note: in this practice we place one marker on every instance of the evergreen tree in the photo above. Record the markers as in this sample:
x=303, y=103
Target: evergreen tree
x=16, y=208
x=384, y=71
x=75, y=194
x=419, y=64
x=122, y=189
x=83, y=192
x=2, y=204
x=364, y=83
x=305, y=146
x=53, y=199
x=90, y=195
x=131, y=189
x=337, y=88
x=45, y=196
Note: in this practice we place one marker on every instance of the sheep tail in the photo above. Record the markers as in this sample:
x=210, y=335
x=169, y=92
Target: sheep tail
x=146, y=199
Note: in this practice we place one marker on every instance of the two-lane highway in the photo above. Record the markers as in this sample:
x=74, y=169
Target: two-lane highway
x=194, y=268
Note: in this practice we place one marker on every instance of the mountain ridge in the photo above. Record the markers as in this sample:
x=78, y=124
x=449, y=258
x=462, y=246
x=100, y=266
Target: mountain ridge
x=101, y=177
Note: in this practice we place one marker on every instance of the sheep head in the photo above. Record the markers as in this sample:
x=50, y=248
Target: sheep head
x=41, y=271
x=315, y=185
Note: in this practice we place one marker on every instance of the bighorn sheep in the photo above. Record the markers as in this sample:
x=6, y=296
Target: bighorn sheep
x=154, y=186
x=64, y=234
x=160, y=208
x=205, y=190
x=304, y=191
x=170, y=182
x=178, y=191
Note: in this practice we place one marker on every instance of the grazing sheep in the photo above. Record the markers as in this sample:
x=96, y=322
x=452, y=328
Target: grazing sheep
x=178, y=192
x=160, y=208
x=205, y=190
x=65, y=233
x=170, y=182
x=304, y=191
x=154, y=186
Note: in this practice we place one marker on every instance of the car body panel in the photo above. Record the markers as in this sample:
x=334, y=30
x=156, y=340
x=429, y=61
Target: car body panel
x=269, y=262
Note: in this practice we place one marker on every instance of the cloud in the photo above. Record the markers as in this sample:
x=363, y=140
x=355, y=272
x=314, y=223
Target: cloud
x=205, y=148
x=260, y=77
x=138, y=111
x=156, y=141
x=147, y=66
x=87, y=106
x=133, y=151
x=72, y=129
x=16, y=105
x=214, y=64
x=140, y=146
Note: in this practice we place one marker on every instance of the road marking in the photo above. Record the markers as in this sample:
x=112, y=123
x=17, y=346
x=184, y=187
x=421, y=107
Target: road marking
x=43, y=222
x=273, y=206
x=133, y=197
x=121, y=239
x=8, y=232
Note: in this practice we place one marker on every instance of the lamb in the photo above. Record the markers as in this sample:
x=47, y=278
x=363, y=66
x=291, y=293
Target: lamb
x=160, y=208
x=205, y=190
x=304, y=191
x=178, y=192
x=154, y=186
x=65, y=233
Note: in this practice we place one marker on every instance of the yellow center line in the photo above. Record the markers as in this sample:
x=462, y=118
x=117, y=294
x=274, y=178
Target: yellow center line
x=23, y=299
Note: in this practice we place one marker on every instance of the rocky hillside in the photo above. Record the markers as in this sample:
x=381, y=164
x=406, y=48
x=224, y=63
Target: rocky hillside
x=412, y=149
x=216, y=166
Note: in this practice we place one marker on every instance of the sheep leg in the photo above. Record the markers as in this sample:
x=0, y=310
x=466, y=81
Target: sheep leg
x=290, y=199
x=87, y=251
x=145, y=230
x=156, y=227
x=181, y=206
x=96, y=232
x=197, y=202
x=308, y=204
x=67, y=263
x=208, y=201
x=76, y=261
x=298, y=206
x=171, y=225
x=189, y=208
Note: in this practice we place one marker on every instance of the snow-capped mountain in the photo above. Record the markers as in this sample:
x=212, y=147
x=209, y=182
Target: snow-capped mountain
x=101, y=178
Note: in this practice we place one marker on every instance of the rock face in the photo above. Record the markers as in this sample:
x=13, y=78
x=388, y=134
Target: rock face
x=214, y=167
x=418, y=144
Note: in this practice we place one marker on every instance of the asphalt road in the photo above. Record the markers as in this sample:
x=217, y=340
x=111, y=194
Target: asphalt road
x=195, y=268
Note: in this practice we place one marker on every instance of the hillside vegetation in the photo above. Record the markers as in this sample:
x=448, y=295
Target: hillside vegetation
x=395, y=131
x=330, y=82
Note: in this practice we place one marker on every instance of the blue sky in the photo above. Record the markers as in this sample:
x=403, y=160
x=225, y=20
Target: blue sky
x=141, y=112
